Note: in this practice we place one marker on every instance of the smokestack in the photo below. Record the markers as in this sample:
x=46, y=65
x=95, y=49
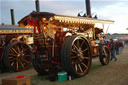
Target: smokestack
x=12, y=16
x=88, y=8
x=37, y=5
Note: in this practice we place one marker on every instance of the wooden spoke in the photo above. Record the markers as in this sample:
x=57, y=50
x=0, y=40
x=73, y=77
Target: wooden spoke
x=75, y=47
x=15, y=51
x=84, y=65
x=12, y=59
x=12, y=54
x=104, y=51
x=21, y=64
x=82, y=43
x=76, y=67
x=18, y=49
x=80, y=60
x=80, y=68
x=12, y=63
x=78, y=43
x=25, y=49
x=85, y=50
x=105, y=55
x=25, y=61
x=11, y=51
x=85, y=57
x=22, y=50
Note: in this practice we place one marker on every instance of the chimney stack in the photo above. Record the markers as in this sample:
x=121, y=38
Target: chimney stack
x=37, y=6
x=12, y=16
x=88, y=8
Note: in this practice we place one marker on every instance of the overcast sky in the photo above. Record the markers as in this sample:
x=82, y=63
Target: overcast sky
x=116, y=10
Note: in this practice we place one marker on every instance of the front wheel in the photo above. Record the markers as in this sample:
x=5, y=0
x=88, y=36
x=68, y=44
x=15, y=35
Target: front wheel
x=39, y=66
x=104, y=55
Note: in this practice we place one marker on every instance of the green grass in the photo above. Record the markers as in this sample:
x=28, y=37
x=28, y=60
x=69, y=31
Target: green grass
x=43, y=80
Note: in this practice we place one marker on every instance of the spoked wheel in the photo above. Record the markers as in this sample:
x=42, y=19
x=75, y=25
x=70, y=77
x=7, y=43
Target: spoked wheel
x=17, y=56
x=38, y=66
x=104, y=55
x=76, y=55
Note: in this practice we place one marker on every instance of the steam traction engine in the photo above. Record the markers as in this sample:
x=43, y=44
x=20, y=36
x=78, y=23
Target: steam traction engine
x=65, y=42
x=15, y=54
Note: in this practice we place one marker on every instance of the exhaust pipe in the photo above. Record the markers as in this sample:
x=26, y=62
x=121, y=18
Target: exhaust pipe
x=37, y=6
x=88, y=8
x=12, y=16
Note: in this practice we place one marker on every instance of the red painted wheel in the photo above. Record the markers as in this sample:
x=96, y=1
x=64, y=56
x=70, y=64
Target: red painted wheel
x=17, y=56
x=76, y=55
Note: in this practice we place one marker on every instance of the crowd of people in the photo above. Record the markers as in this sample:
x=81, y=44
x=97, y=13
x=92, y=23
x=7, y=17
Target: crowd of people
x=115, y=48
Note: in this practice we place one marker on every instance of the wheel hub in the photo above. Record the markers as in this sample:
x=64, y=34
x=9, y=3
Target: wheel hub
x=18, y=55
x=80, y=54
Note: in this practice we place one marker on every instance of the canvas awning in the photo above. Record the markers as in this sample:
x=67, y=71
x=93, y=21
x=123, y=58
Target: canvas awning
x=81, y=20
x=66, y=21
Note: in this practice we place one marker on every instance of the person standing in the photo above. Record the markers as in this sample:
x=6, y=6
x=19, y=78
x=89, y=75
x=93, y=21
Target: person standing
x=117, y=47
x=108, y=45
x=113, y=50
x=120, y=47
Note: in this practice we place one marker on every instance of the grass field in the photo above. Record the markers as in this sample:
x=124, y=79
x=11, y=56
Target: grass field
x=116, y=73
